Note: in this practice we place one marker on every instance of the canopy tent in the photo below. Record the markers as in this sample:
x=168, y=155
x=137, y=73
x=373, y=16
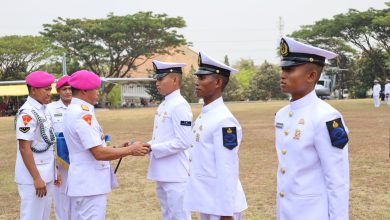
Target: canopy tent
x=19, y=90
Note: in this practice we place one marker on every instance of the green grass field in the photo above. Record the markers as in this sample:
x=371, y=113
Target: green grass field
x=136, y=199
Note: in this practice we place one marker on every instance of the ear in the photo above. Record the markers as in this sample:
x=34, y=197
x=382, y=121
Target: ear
x=312, y=75
x=218, y=82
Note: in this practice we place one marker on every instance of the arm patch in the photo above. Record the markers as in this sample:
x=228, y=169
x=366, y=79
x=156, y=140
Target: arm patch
x=338, y=135
x=229, y=136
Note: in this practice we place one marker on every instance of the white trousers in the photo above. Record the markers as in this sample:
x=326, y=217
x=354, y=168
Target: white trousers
x=377, y=101
x=237, y=216
x=388, y=100
x=88, y=207
x=61, y=200
x=33, y=207
x=171, y=200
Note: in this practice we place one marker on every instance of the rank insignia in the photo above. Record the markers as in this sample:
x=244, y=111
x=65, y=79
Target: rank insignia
x=229, y=136
x=297, y=134
x=24, y=129
x=279, y=125
x=84, y=107
x=185, y=123
x=26, y=120
x=337, y=133
x=88, y=118
x=301, y=121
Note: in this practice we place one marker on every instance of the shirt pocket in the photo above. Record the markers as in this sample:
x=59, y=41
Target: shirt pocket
x=43, y=160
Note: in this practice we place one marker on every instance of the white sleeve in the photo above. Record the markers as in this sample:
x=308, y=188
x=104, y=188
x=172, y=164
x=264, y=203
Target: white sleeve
x=332, y=148
x=226, y=159
x=26, y=124
x=88, y=135
x=181, y=120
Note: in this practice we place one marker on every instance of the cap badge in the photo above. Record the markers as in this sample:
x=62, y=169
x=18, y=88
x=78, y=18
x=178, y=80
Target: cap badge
x=217, y=71
x=283, y=48
x=311, y=59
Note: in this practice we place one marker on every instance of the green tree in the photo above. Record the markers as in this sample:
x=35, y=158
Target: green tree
x=247, y=70
x=111, y=46
x=188, y=86
x=233, y=91
x=20, y=55
x=265, y=84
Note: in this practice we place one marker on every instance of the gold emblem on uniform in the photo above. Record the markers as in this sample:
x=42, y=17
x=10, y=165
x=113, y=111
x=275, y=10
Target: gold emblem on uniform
x=297, y=134
x=84, y=107
x=283, y=48
x=290, y=114
x=335, y=124
x=285, y=132
x=311, y=59
x=197, y=137
x=301, y=121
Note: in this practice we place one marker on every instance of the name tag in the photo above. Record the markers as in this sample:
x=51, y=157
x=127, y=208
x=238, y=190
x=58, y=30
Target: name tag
x=279, y=125
x=185, y=123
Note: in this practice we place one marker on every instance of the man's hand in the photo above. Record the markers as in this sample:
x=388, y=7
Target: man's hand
x=58, y=181
x=139, y=149
x=40, y=187
x=227, y=218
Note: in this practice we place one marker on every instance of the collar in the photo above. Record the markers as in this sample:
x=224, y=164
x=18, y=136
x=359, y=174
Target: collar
x=35, y=103
x=212, y=105
x=61, y=104
x=172, y=95
x=304, y=101
x=80, y=101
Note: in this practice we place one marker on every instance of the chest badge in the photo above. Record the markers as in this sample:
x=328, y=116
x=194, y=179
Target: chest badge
x=301, y=121
x=88, y=118
x=297, y=134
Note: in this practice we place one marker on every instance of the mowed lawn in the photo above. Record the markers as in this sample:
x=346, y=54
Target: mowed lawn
x=136, y=199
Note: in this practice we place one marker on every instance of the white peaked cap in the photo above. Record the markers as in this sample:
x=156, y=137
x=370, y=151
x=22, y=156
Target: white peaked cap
x=209, y=65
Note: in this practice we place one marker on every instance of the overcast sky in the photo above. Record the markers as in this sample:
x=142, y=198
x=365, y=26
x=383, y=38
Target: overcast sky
x=240, y=29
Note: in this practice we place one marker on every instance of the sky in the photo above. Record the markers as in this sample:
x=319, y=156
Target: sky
x=246, y=29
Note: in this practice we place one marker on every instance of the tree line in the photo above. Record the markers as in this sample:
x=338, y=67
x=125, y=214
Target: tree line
x=110, y=47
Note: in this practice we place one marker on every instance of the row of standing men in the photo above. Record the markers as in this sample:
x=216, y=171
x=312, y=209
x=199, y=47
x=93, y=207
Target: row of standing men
x=376, y=93
x=195, y=164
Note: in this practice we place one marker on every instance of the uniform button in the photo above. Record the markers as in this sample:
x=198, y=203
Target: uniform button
x=284, y=151
x=190, y=159
x=41, y=161
x=191, y=145
x=156, y=126
x=290, y=114
x=285, y=132
x=189, y=174
x=281, y=194
x=282, y=170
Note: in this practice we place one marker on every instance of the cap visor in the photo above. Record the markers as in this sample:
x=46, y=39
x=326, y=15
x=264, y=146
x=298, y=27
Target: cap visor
x=160, y=76
x=287, y=63
x=203, y=72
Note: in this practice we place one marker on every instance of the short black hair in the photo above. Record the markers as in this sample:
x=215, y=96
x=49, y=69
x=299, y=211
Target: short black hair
x=225, y=80
x=75, y=91
x=29, y=88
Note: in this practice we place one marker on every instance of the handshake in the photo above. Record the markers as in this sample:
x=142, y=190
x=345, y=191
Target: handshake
x=136, y=148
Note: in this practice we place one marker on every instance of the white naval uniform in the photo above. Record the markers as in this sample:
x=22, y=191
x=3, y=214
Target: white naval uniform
x=214, y=188
x=169, y=161
x=55, y=111
x=89, y=180
x=387, y=91
x=313, y=175
x=375, y=94
x=27, y=128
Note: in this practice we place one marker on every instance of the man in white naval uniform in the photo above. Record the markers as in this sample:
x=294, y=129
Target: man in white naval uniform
x=35, y=165
x=90, y=176
x=387, y=91
x=311, y=141
x=172, y=136
x=55, y=111
x=376, y=90
x=214, y=189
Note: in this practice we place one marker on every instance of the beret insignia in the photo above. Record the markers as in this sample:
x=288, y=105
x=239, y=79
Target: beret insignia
x=88, y=118
x=229, y=136
x=283, y=48
x=26, y=120
x=338, y=135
